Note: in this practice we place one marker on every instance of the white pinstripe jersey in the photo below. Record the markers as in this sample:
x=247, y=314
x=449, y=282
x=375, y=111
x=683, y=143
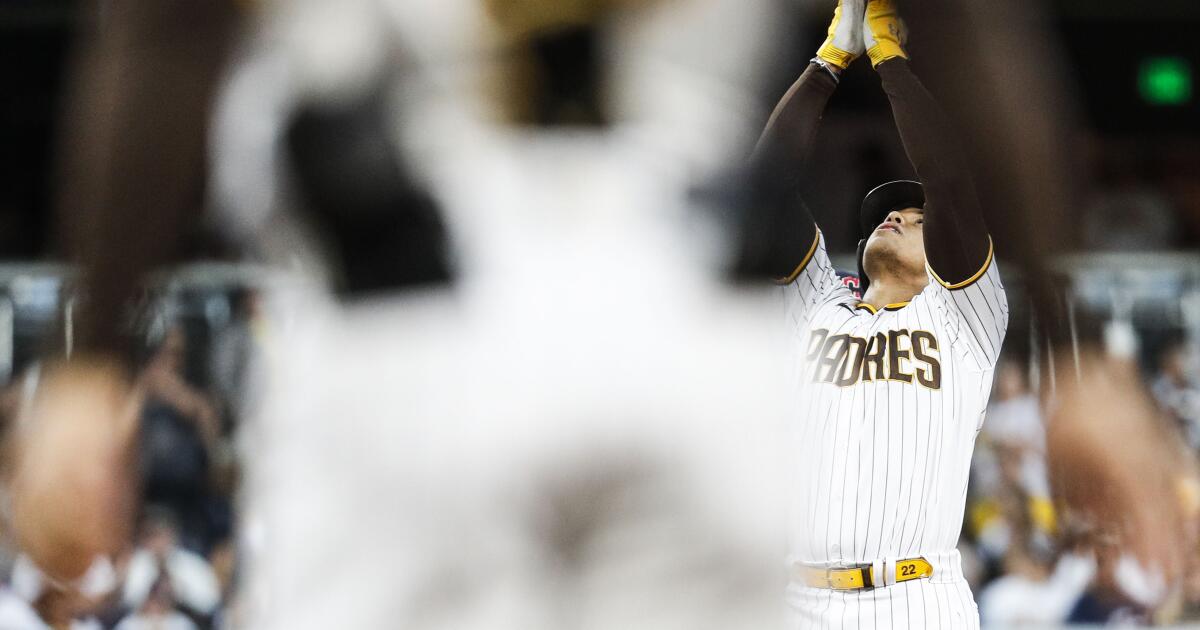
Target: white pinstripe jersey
x=888, y=409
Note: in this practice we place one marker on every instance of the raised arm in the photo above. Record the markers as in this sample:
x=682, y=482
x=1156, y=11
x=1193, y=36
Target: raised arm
x=788, y=136
x=793, y=125
x=787, y=140
x=957, y=245
x=786, y=230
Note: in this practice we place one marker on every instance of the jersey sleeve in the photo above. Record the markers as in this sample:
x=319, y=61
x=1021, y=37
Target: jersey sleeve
x=812, y=284
x=975, y=311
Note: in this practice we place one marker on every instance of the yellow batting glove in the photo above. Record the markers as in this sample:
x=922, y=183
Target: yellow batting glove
x=884, y=33
x=844, y=43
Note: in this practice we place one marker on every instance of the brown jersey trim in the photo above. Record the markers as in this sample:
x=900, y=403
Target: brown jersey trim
x=895, y=306
x=969, y=281
x=803, y=263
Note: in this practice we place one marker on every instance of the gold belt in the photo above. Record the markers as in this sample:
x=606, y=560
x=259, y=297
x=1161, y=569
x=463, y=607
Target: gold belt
x=861, y=576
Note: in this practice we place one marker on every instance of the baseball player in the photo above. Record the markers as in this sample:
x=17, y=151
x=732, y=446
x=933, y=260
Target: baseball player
x=546, y=444
x=892, y=387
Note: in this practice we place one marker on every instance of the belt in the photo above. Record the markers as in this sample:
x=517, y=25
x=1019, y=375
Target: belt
x=861, y=576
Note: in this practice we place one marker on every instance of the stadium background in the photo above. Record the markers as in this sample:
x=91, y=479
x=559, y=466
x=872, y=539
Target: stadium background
x=1135, y=269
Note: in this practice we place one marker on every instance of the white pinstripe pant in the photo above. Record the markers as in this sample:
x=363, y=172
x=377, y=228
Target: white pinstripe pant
x=918, y=604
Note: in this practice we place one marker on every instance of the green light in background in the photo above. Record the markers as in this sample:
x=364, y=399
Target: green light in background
x=1165, y=81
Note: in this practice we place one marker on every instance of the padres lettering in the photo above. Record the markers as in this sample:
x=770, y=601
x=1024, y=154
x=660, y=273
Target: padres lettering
x=897, y=355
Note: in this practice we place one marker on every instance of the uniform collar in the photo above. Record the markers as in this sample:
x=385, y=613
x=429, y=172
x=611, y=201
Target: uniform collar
x=895, y=306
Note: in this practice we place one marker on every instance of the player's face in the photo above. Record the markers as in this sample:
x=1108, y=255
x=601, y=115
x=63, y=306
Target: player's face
x=897, y=245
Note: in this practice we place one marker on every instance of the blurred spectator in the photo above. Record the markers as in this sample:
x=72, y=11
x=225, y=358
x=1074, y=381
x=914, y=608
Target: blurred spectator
x=1013, y=417
x=180, y=428
x=1177, y=392
x=234, y=354
x=164, y=379
x=32, y=602
x=1115, y=470
x=225, y=565
x=1016, y=428
x=159, y=565
x=16, y=613
x=1034, y=589
x=157, y=612
x=1010, y=479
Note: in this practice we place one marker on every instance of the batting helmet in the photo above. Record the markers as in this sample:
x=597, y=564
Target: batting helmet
x=877, y=205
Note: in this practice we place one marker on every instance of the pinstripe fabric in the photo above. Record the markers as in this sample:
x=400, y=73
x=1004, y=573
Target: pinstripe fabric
x=883, y=443
x=917, y=605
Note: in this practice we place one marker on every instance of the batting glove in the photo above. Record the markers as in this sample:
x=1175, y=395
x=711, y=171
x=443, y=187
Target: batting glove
x=884, y=33
x=845, y=41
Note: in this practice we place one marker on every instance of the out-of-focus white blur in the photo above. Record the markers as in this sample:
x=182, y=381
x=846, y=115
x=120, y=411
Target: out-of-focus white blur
x=582, y=430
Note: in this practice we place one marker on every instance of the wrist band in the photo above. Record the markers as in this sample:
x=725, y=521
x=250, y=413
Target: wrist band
x=824, y=65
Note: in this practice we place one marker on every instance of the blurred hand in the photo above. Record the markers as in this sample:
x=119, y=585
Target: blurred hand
x=1113, y=465
x=72, y=487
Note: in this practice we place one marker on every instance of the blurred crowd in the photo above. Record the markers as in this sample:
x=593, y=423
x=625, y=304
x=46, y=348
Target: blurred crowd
x=179, y=569
x=1028, y=566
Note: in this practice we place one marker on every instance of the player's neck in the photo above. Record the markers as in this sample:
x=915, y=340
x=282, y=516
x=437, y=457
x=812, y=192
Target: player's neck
x=891, y=290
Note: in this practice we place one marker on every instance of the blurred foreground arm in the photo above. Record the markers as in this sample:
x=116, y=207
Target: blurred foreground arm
x=1117, y=471
x=131, y=186
x=133, y=151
